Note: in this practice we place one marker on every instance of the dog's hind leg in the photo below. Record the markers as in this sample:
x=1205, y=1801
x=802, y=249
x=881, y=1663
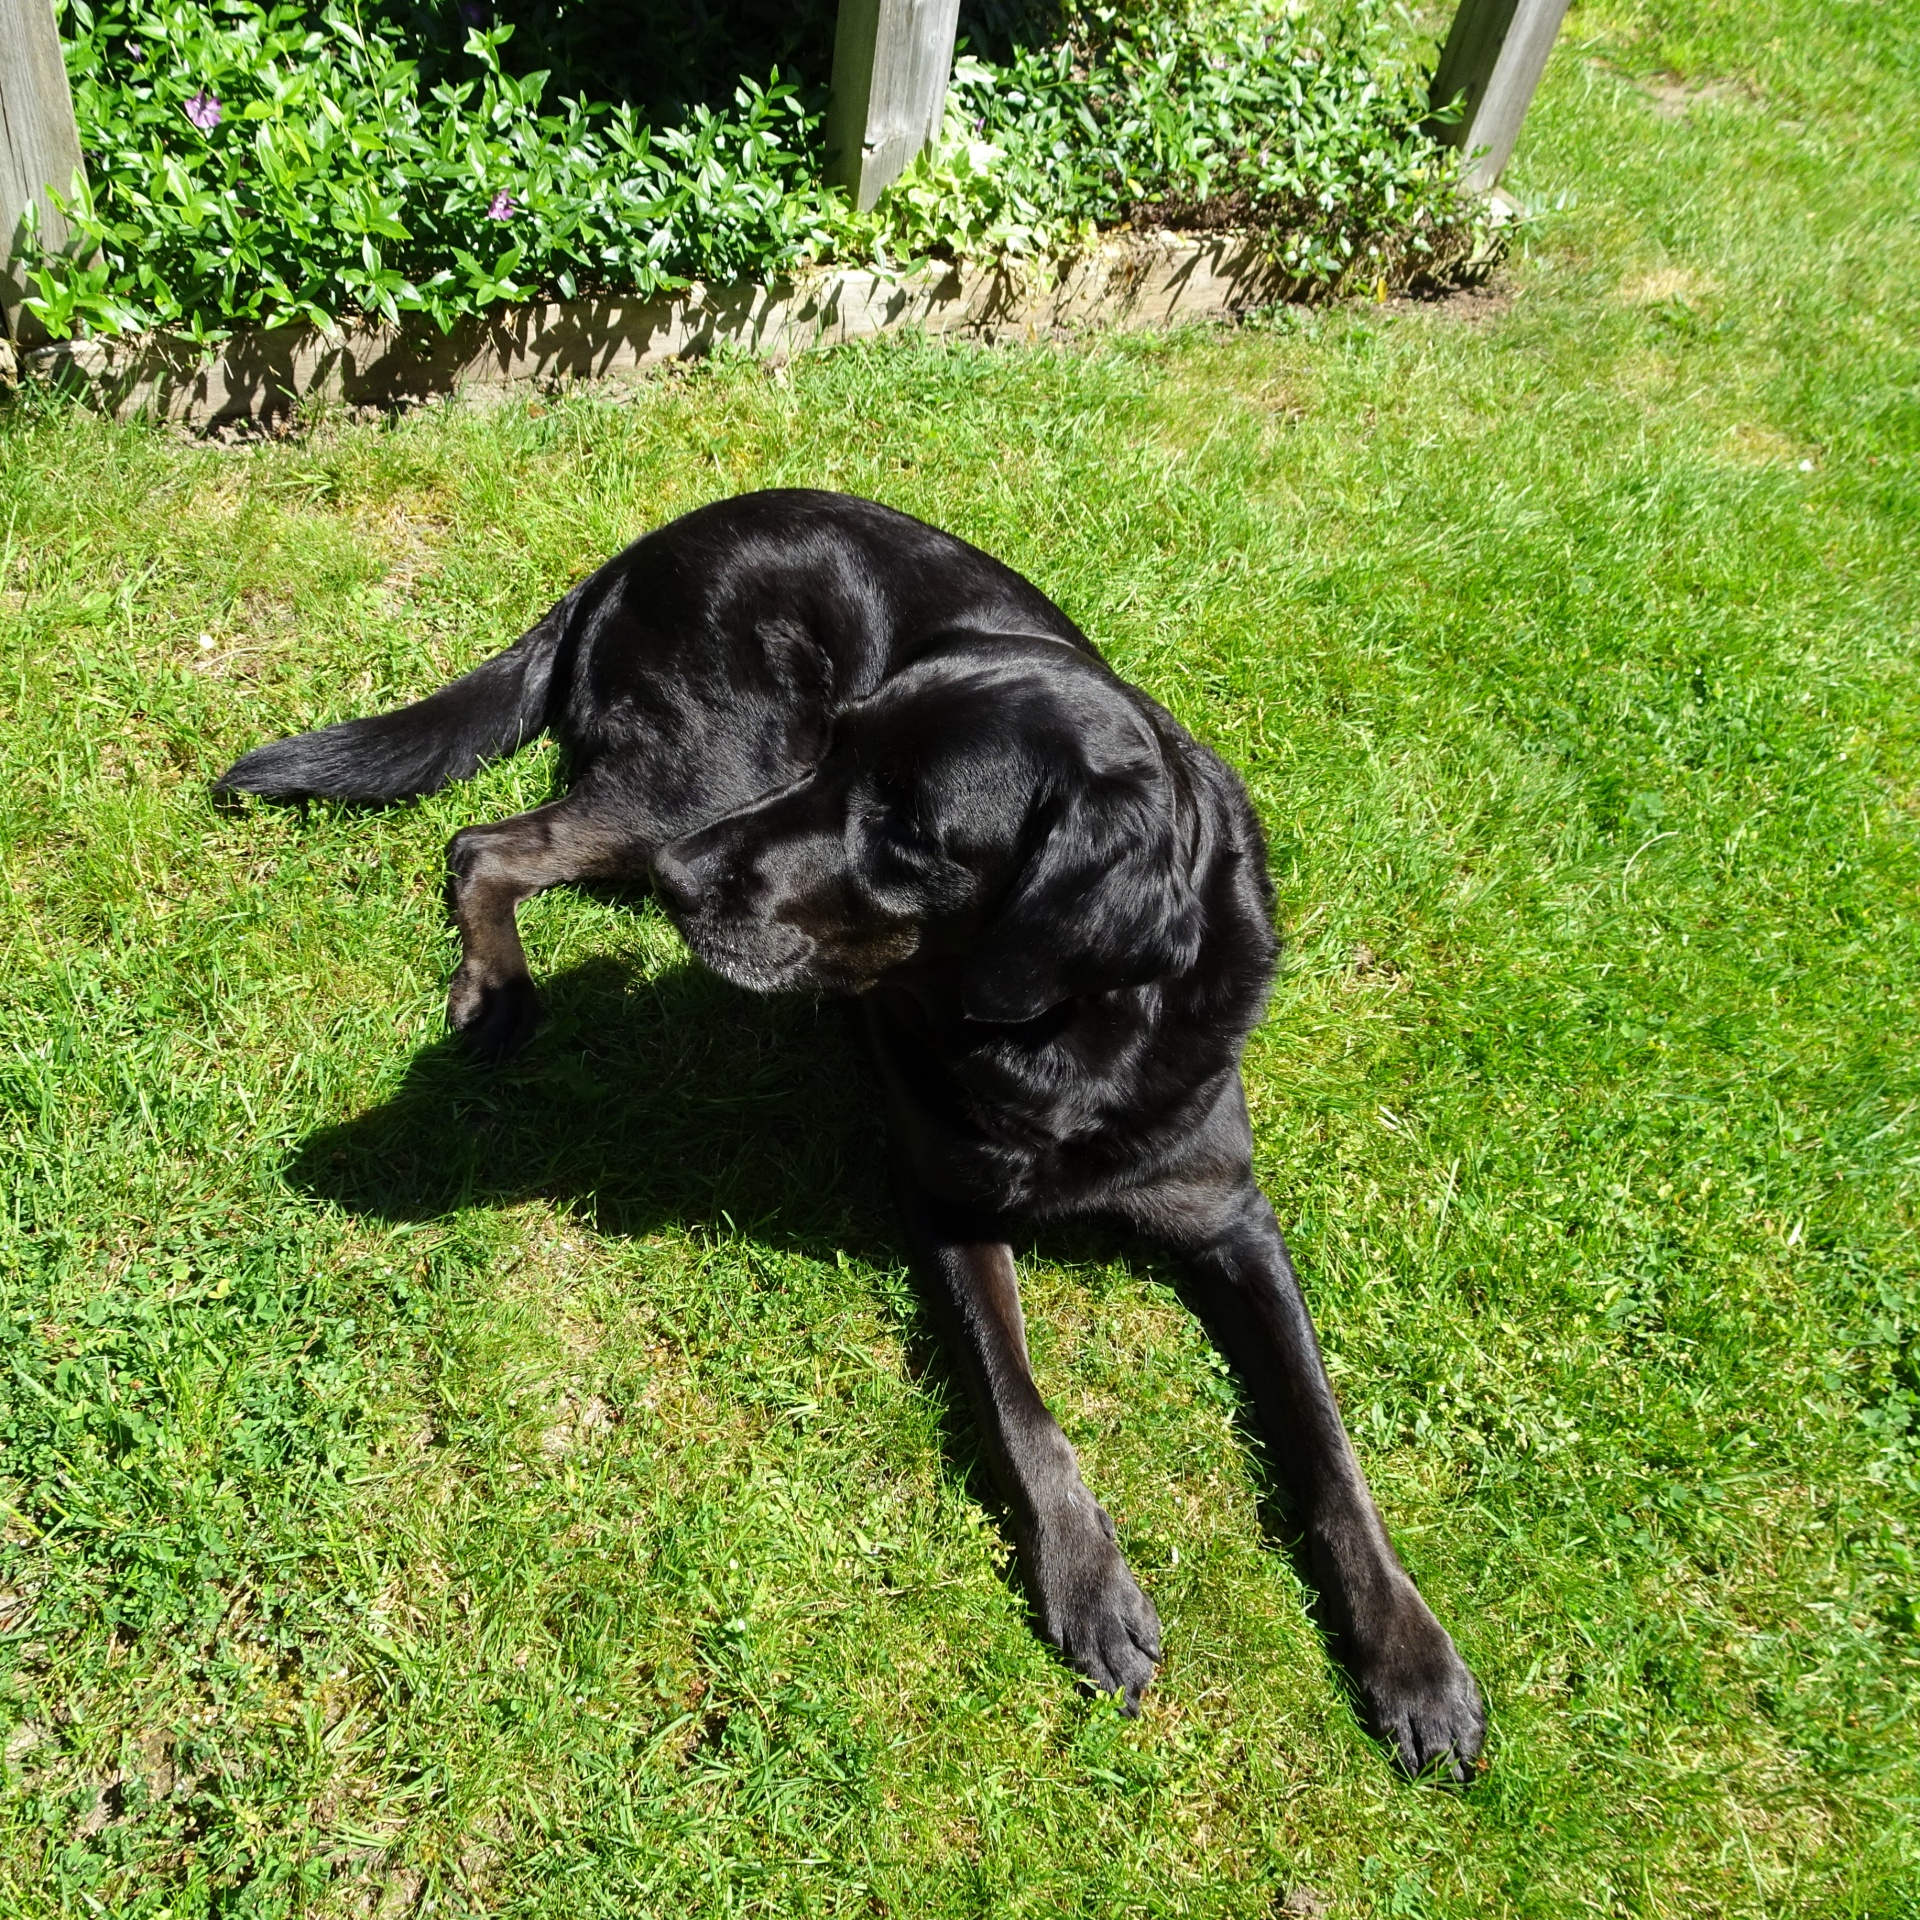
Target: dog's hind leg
x=491, y=869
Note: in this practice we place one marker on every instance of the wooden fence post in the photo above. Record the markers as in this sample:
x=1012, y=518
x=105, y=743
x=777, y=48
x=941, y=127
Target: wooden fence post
x=39, y=143
x=1495, y=56
x=892, y=60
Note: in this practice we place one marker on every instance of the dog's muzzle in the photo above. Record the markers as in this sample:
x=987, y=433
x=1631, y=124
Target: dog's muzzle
x=759, y=954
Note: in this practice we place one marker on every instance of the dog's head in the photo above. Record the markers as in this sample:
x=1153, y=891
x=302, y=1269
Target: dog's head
x=1002, y=804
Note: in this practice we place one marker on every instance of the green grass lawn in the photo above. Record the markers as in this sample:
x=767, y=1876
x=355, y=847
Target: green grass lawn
x=532, y=1493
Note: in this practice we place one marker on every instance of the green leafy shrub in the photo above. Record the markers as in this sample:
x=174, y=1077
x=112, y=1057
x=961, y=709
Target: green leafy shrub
x=263, y=165
x=327, y=180
x=1218, y=117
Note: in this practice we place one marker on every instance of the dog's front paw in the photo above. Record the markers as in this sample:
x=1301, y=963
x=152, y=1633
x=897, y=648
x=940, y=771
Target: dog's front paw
x=1091, y=1607
x=496, y=1018
x=1421, y=1699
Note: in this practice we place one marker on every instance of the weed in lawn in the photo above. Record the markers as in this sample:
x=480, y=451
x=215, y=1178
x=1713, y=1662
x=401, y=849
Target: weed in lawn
x=534, y=1493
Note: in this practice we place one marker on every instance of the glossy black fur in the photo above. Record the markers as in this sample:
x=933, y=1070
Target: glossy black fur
x=855, y=755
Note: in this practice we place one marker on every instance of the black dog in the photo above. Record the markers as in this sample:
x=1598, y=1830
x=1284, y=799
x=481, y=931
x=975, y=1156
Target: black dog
x=855, y=755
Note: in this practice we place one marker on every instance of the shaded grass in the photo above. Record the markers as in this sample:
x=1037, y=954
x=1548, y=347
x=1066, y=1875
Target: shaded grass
x=533, y=1493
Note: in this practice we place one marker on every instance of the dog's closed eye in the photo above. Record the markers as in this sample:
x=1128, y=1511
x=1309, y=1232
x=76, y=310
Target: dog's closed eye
x=894, y=793
x=889, y=807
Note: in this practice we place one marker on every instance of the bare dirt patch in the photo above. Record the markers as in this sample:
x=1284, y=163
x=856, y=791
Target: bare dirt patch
x=1754, y=445
x=580, y=1422
x=1673, y=96
x=1686, y=286
x=1473, y=306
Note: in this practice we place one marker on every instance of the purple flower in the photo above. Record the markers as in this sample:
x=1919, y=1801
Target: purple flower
x=204, y=111
x=502, y=208
x=474, y=14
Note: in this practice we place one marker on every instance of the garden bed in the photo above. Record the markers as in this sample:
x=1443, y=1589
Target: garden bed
x=263, y=169
x=266, y=375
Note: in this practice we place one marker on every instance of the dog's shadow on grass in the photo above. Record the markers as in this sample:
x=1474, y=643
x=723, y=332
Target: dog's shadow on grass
x=675, y=1100
x=643, y=1102
x=651, y=1102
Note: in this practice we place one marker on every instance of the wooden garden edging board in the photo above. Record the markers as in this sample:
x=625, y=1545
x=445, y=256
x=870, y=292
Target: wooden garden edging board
x=1133, y=281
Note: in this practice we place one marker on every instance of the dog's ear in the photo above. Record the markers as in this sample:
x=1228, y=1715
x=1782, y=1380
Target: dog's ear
x=1103, y=901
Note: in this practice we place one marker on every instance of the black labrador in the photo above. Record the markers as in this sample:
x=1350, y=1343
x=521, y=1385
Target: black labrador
x=855, y=755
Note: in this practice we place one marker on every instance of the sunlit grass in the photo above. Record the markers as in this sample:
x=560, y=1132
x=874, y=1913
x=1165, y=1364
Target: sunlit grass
x=535, y=1493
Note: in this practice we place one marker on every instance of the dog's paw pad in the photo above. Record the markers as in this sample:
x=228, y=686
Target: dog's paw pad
x=1095, y=1613
x=495, y=1018
x=1425, y=1704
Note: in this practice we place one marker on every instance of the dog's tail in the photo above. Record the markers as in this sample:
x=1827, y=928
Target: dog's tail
x=485, y=715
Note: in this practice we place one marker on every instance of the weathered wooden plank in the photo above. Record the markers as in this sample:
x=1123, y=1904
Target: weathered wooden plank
x=1126, y=281
x=39, y=143
x=1495, y=55
x=892, y=60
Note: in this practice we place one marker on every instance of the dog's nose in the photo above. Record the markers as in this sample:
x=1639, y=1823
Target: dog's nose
x=675, y=882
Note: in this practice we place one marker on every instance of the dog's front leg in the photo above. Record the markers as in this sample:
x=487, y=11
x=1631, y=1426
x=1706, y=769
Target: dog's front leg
x=490, y=871
x=1090, y=1606
x=1418, y=1693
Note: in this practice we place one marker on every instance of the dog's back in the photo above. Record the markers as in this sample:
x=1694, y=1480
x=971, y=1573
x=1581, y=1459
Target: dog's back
x=724, y=641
